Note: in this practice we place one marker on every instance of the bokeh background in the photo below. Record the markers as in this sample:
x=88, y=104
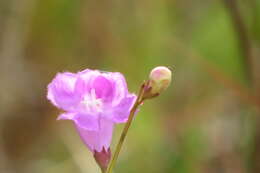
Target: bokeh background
x=208, y=121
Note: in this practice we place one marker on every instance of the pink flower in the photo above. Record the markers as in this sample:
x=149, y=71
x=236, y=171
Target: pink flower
x=94, y=101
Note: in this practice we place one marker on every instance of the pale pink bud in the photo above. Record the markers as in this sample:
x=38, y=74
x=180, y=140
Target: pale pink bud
x=160, y=79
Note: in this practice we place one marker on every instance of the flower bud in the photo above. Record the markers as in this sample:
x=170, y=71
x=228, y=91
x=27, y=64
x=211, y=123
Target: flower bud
x=160, y=79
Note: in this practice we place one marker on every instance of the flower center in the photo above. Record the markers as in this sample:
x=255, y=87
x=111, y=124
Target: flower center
x=91, y=103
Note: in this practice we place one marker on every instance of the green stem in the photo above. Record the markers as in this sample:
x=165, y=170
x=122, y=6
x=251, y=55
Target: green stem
x=125, y=130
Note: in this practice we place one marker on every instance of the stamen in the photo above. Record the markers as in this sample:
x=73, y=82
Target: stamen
x=91, y=102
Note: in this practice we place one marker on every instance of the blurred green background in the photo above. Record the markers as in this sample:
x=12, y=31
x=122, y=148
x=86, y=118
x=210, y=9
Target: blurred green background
x=208, y=121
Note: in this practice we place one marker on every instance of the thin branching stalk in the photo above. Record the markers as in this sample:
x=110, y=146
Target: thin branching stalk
x=138, y=102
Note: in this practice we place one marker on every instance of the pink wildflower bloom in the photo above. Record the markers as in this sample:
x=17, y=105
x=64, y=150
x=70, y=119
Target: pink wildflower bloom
x=94, y=101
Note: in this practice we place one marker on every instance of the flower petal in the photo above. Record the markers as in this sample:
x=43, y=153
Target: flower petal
x=96, y=140
x=87, y=121
x=103, y=88
x=66, y=116
x=61, y=91
x=120, y=90
x=84, y=82
x=122, y=110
